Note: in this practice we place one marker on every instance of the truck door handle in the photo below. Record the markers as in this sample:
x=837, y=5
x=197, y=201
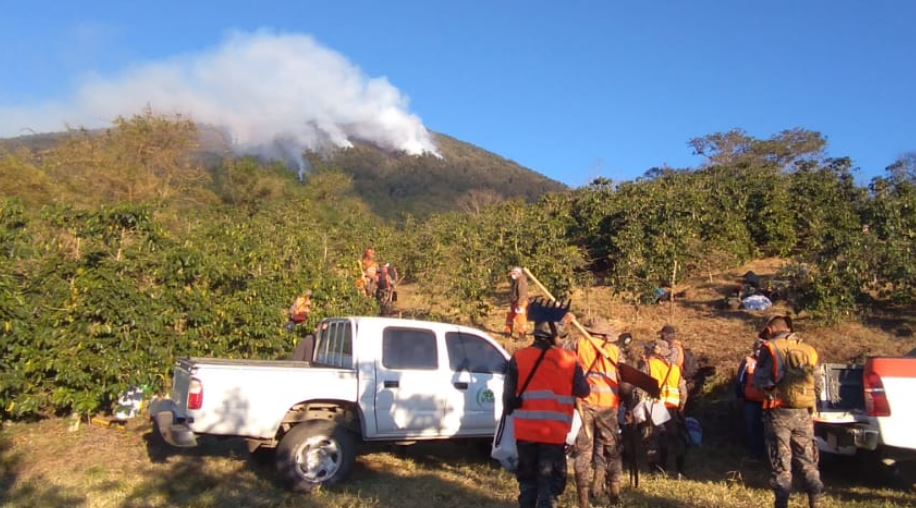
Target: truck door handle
x=460, y=385
x=391, y=384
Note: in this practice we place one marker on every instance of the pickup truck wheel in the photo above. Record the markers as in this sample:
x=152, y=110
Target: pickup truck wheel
x=315, y=453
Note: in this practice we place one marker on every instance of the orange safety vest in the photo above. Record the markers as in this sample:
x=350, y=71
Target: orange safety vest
x=668, y=377
x=546, y=413
x=601, y=373
x=751, y=392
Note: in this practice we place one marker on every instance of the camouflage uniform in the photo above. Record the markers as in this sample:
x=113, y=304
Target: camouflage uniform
x=790, y=441
x=789, y=434
x=598, y=445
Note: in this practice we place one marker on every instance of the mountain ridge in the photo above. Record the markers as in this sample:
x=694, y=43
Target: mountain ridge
x=393, y=184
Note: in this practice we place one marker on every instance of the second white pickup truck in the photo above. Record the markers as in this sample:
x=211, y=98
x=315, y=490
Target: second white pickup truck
x=368, y=379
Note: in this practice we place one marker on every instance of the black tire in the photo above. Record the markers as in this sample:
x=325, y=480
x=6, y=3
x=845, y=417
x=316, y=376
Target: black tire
x=314, y=454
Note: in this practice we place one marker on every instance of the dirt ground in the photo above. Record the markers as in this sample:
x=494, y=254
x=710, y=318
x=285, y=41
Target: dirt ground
x=46, y=464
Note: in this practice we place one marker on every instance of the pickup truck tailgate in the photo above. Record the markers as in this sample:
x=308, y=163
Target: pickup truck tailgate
x=181, y=378
x=898, y=377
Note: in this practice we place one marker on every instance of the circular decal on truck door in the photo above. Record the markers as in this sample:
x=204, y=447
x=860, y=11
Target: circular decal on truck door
x=485, y=397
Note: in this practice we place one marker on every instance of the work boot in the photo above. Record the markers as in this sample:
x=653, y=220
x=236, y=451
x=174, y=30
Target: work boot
x=582, y=490
x=613, y=494
x=814, y=500
x=782, y=500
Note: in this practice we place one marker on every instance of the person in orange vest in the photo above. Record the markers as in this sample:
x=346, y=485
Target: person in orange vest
x=751, y=400
x=665, y=440
x=786, y=373
x=598, y=464
x=369, y=279
x=541, y=386
x=516, y=318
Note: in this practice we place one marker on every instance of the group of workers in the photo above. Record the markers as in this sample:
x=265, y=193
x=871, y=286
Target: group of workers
x=379, y=281
x=556, y=376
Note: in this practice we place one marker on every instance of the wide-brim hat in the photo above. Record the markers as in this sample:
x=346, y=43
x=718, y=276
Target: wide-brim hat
x=601, y=326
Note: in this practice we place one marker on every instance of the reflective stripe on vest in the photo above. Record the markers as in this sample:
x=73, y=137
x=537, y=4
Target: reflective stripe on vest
x=601, y=375
x=547, y=407
x=548, y=395
x=543, y=416
x=670, y=393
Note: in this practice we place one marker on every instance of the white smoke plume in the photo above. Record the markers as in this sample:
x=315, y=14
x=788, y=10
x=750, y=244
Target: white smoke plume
x=276, y=95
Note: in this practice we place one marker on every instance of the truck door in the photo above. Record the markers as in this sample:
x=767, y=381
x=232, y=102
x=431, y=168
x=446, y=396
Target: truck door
x=411, y=389
x=478, y=369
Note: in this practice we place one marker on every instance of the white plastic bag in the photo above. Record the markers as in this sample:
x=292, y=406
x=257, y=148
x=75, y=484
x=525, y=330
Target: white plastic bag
x=648, y=409
x=129, y=404
x=504, y=449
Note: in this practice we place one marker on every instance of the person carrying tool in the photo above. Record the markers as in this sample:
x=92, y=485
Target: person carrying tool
x=516, y=318
x=665, y=439
x=540, y=389
x=786, y=374
x=598, y=462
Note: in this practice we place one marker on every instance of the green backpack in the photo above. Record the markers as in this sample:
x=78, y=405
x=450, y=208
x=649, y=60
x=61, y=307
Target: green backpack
x=796, y=389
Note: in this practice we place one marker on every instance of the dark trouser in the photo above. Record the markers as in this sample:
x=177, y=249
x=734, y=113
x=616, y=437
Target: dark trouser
x=385, y=298
x=598, y=447
x=541, y=474
x=753, y=429
x=790, y=442
x=663, y=441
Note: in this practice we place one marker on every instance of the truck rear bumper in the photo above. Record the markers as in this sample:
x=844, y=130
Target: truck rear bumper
x=845, y=439
x=175, y=433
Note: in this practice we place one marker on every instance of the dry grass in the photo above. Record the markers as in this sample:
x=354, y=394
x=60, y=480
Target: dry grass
x=41, y=464
x=44, y=465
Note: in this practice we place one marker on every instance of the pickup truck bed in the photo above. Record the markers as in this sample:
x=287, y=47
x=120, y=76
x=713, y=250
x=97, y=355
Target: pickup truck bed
x=368, y=379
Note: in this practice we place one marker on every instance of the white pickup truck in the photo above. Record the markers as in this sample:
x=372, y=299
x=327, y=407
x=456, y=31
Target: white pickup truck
x=368, y=379
x=869, y=409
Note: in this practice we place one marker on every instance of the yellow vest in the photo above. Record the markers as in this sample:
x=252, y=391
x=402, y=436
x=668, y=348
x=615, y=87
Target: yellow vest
x=669, y=379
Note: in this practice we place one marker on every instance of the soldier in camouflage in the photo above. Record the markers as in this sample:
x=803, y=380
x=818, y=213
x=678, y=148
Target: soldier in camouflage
x=785, y=372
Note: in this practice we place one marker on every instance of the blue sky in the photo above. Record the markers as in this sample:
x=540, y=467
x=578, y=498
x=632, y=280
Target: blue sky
x=571, y=89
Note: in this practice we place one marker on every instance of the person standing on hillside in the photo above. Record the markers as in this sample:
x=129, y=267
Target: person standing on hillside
x=299, y=311
x=665, y=439
x=517, y=317
x=598, y=463
x=751, y=400
x=786, y=374
x=386, y=289
x=369, y=279
x=680, y=356
x=540, y=389
x=677, y=355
